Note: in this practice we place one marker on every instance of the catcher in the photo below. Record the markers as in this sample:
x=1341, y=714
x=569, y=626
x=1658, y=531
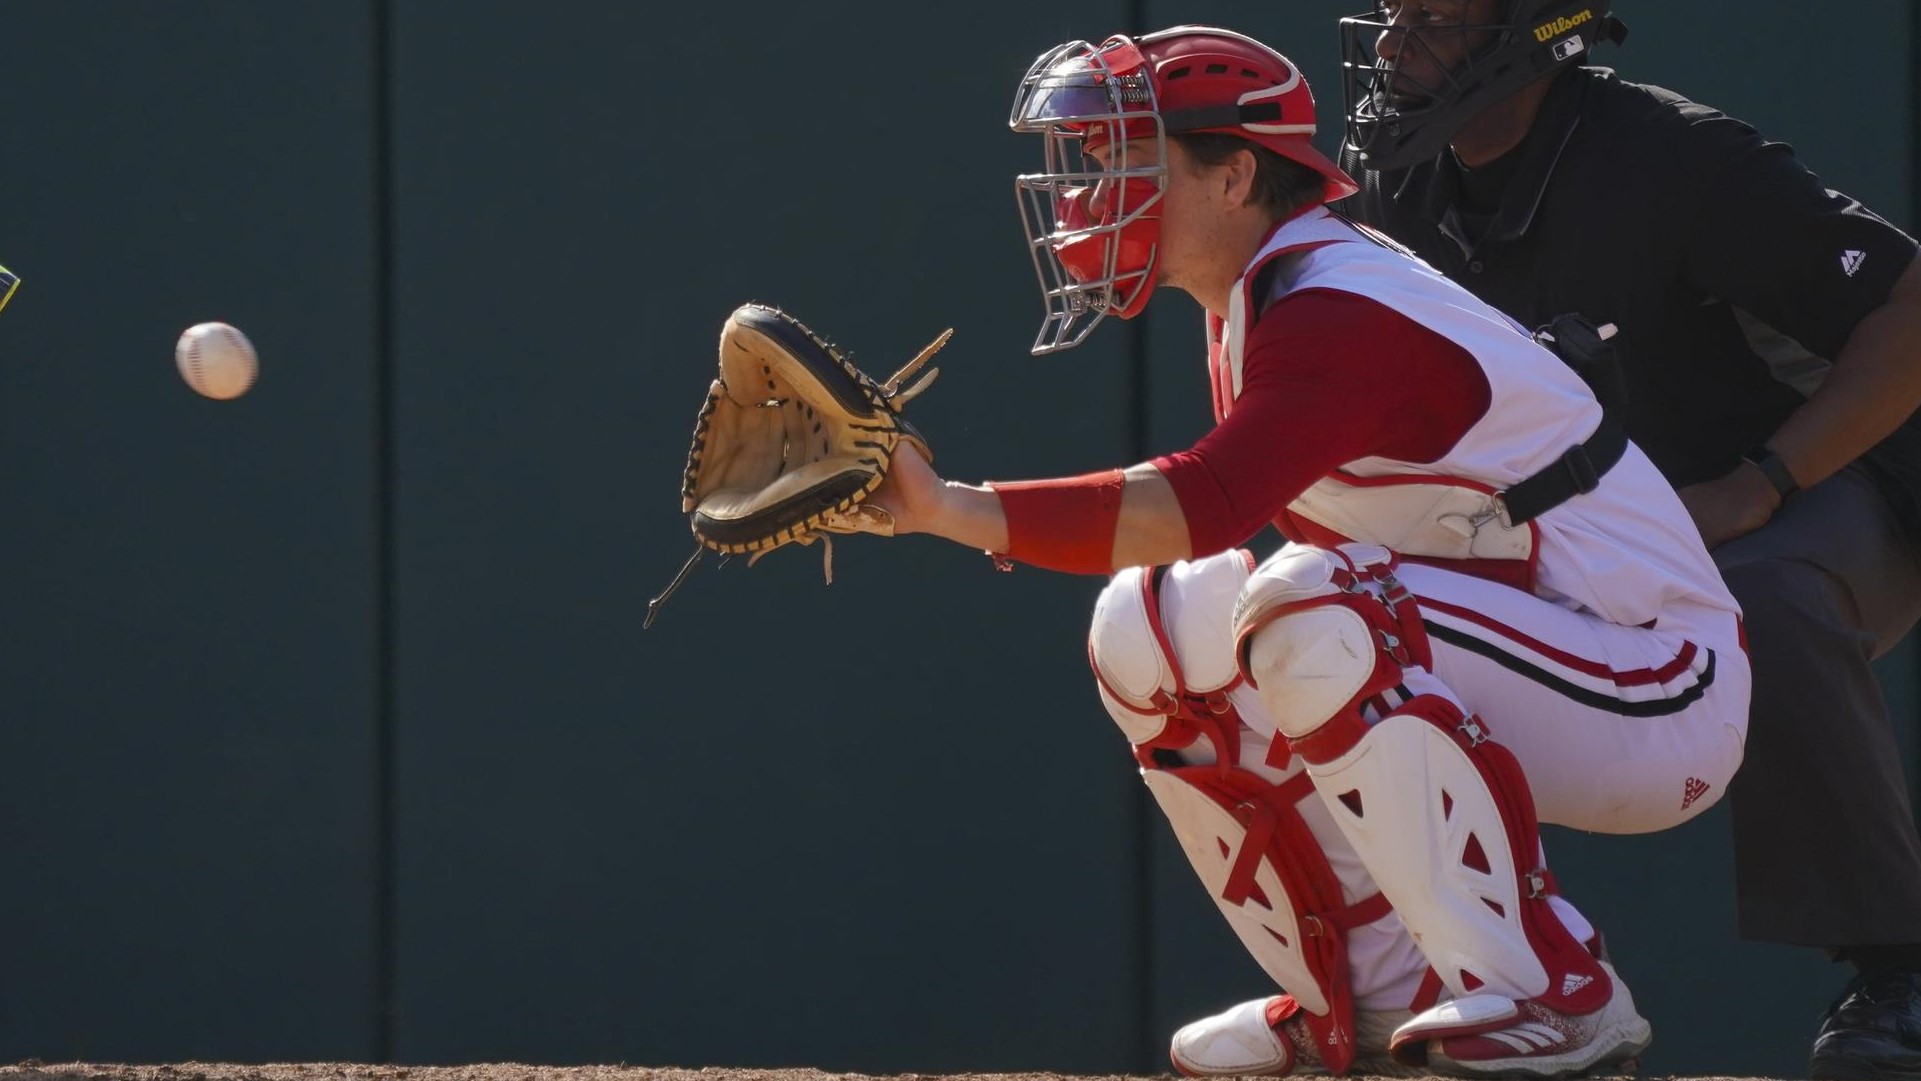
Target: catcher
x=1491, y=610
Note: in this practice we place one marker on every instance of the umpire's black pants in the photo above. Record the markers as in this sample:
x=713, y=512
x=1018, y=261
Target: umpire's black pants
x=1824, y=838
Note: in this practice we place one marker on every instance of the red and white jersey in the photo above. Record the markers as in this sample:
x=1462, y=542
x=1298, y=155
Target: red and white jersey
x=1626, y=551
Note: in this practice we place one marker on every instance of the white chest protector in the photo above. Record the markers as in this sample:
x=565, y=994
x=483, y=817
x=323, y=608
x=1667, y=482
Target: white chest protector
x=1626, y=551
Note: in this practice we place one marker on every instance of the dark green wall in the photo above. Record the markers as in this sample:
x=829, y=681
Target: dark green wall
x=187, y=808
x=621, y=846
x=329, y=728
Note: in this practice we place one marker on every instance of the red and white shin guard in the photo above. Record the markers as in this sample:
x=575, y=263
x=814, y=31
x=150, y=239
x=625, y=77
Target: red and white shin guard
x=1165, y=673
x=1439, y=812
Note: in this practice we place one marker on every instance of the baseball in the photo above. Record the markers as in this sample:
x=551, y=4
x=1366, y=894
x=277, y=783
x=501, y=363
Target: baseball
x=216, y=360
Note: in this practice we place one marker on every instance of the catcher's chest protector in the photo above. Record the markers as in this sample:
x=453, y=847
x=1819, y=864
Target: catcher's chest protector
x=1626, y=550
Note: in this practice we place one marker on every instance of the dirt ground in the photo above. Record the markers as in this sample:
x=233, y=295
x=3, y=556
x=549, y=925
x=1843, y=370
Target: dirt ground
x=31, y=1070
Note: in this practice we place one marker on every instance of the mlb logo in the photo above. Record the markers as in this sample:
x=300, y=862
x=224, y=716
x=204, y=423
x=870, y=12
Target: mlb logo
x=1567, y=47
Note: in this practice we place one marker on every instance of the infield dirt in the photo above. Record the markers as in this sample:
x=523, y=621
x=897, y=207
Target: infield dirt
x=338, y=1071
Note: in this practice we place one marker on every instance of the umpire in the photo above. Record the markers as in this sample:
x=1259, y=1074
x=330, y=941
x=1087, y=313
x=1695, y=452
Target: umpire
x=1767, y=360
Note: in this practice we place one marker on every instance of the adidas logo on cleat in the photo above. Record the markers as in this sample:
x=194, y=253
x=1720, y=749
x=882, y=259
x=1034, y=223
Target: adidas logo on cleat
x=1573, y=982
x=1693, y=790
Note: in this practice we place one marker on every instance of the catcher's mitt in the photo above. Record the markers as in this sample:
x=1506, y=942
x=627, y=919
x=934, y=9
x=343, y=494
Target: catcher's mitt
x=791, y=440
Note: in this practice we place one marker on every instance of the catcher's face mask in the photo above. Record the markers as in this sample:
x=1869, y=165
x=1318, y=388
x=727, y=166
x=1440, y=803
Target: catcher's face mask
x=1092, y=229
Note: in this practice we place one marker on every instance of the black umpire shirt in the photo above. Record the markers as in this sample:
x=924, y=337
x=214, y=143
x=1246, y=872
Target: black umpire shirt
x=1727, y=266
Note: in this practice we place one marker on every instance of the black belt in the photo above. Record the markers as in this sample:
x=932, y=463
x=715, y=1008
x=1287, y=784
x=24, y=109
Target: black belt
x=1575, y=473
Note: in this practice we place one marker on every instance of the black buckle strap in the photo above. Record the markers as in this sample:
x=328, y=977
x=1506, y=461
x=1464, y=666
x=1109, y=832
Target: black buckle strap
x=1576, y=472
x=1591, y=352
x=1202, y=117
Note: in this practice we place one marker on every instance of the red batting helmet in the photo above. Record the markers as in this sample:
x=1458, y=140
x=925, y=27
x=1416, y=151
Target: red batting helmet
x=1094, y=231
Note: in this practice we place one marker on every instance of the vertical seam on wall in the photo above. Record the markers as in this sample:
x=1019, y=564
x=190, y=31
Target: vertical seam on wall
x=1140, y=823
x=1914, y=227
x=385, y=865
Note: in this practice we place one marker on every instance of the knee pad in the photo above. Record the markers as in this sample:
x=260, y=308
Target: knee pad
x=1319, y=631
x=1163, y=654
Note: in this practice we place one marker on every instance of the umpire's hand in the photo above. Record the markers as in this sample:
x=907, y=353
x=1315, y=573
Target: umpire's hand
x=1732, y=506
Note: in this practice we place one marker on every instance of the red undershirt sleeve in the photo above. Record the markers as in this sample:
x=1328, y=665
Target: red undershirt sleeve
x=1328, y=377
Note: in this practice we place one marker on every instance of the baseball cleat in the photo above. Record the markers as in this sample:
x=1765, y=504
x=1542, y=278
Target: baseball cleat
x=1493, y=1036
x=1268, y=1037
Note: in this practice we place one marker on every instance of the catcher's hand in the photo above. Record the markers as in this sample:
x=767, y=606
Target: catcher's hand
x=792, y=440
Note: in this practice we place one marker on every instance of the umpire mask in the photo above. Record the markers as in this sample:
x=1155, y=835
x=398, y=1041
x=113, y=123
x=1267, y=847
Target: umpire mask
x=1412, y=75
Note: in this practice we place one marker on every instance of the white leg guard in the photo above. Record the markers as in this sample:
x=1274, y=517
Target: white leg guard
x=1443, y=817
x=1440, y=814
x=1162, y=652
x=1254, y=854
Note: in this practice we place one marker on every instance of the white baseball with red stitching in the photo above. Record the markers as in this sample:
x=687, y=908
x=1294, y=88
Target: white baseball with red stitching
x=216, y=360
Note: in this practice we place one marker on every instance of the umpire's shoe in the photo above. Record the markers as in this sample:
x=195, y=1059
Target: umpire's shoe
x=1268, y=1037
x=1873, y=1031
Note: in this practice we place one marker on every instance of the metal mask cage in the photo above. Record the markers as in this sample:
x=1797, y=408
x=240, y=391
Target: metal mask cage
x=1395, y=120
x=1071, y=93
x=1381, y=101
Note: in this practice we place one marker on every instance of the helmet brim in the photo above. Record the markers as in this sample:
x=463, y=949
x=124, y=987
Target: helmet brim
x=1336, y=184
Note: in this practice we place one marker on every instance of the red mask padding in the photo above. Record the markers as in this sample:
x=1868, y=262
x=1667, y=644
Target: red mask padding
x=1084, y=255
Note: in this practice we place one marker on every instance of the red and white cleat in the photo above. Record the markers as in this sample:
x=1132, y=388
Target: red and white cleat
x=1268, y=1037
x=1492, y=1036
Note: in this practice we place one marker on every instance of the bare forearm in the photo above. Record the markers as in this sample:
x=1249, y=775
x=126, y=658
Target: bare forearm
x=970, y=515
x=1153, y=528
x=1874, y=385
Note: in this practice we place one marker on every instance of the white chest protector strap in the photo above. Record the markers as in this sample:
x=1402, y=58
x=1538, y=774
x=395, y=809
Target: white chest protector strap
x=1454, y=519
x=1431, y=517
